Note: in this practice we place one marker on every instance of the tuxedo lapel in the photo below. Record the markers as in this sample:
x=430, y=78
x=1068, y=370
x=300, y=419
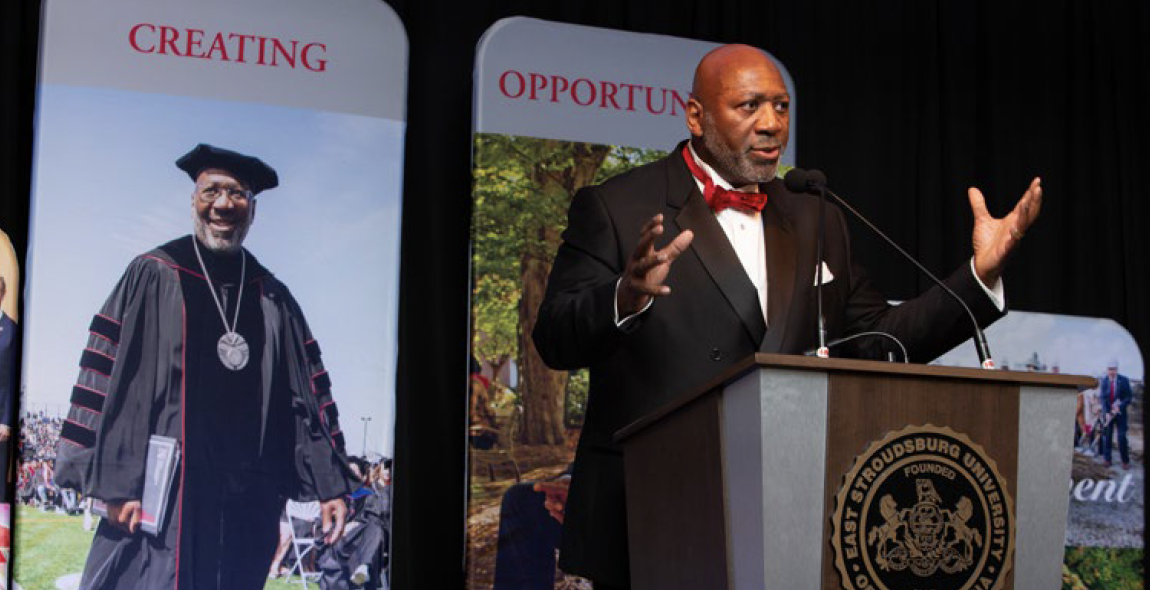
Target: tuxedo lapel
x=781, y=258
x=714, y=251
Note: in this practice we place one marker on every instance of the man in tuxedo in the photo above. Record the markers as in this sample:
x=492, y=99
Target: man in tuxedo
x=1115, y=394
x=654, y=316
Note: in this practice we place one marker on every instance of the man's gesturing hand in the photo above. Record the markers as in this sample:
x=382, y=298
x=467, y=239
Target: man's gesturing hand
x=647, y=268
x=994, y=239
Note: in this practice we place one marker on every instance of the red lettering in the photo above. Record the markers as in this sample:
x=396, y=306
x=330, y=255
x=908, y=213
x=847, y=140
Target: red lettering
x=305, y=57
x=556, y=89
x=662, y=107
x=243, y=40
x=192, y=43
x=537, y=83
x=503, y=84
x=608, y=92
x=630, y=95
x=263, y=42
x=132, y=37
x=677, y=100
x=218, y=45
x=168, y=38
x=279, y=49
x=575, y=91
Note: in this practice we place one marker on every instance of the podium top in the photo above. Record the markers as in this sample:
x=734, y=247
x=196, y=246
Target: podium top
x=835, y=365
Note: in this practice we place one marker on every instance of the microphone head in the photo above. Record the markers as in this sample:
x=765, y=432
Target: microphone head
x=796, y=180
x=805, y=181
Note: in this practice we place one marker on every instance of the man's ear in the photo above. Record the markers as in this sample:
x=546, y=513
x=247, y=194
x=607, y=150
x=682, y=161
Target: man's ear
x=252, y=215
x=695, y=117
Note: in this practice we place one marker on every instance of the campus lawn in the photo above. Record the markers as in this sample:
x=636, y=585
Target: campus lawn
x=49, y=546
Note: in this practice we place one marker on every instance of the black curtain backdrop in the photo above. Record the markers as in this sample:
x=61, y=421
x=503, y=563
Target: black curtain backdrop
x=903, y=104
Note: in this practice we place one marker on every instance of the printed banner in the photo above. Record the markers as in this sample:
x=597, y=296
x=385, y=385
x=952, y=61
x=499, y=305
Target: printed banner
x=557, y=107
x=9, y=332
x=1105, y=536
x=212, y=298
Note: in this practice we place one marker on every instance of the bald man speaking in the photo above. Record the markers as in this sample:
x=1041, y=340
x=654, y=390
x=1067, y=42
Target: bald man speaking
x=672, y=272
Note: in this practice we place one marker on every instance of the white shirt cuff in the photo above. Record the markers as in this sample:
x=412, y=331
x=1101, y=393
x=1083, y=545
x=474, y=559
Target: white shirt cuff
x=619, y=323
x=995, y=292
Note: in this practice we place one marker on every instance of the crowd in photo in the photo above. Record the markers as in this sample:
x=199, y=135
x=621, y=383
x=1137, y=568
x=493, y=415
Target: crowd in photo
x=358, y=559
x=39, y=433
x=35, y=474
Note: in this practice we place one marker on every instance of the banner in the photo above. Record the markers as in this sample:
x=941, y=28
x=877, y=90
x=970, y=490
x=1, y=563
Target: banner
x=1105, y=536
x=9, y=331
x=212, y=295
x=557, y=107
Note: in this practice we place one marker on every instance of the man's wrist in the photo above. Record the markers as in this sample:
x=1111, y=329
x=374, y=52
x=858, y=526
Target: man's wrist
x=995, y=291
x=621, y=322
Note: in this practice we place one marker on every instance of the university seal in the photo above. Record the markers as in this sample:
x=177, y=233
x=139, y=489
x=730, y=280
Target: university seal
x=924, y=507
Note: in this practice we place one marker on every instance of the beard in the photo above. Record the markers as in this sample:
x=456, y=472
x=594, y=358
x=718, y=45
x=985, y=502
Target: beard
x=221, y=242
x=735, y=167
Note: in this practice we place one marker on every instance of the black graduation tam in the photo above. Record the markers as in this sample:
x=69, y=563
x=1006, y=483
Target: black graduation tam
x=251, y=170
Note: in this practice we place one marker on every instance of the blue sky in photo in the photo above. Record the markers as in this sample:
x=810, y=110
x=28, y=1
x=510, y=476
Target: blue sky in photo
x=106, y=189
x=1077, y=345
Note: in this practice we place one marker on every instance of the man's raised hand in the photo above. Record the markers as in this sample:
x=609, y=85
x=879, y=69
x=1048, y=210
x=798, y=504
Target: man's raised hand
x=647, y=268
x=994, y=239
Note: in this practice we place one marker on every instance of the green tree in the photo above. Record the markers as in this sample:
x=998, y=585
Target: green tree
x=523, y=187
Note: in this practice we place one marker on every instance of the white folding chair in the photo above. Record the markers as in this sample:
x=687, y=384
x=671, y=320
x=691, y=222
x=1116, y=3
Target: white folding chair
x=302, y=546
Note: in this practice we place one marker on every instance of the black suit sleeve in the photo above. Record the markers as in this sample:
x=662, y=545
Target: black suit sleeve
x=928, y=325
x=576, y=323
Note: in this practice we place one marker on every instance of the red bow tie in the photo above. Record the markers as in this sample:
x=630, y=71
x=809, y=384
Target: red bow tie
x=719, y=198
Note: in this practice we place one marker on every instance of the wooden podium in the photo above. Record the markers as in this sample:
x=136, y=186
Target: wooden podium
x=737, y=486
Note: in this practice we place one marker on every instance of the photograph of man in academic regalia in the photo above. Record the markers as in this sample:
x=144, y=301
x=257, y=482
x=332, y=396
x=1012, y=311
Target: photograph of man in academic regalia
x=201, y=344
x=9, y=327
x=221, y=355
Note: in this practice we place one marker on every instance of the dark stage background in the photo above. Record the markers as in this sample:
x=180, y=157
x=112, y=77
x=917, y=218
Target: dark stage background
x=903, y=104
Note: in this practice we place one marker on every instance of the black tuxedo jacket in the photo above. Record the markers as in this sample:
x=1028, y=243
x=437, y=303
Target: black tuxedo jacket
x=711, y=319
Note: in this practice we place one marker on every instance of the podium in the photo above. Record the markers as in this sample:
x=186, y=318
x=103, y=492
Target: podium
x=796, y=472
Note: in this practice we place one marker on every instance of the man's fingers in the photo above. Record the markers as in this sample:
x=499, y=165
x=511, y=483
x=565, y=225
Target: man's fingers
x=1026, y=211
x=977, y=203
x=641, y=266
x=1032, y=201
x=125, y=515
x=648, y=267
x=652, y=289
x=666, y=255
x=647, y=235
x=678, y=245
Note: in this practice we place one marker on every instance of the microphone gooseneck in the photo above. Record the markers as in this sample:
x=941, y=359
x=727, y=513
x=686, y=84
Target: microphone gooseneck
x=845, y=339
x=815, y=182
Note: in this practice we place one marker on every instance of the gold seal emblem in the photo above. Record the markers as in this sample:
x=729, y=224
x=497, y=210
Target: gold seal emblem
x=924, y=507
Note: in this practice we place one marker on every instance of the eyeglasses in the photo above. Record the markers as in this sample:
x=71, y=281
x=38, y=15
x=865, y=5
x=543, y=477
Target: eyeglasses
x=209, y=194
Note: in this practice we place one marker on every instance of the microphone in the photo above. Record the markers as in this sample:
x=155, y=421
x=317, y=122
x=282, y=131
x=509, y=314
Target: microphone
x=801, y=181
x=805, y=181
x=814, y=181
